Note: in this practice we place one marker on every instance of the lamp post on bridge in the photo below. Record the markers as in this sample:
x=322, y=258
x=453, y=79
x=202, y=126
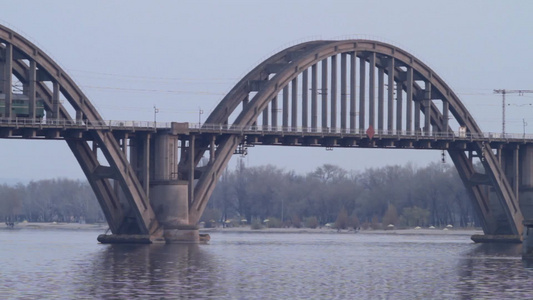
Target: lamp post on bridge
x=524, y=123
x=156, y=110
x=200, y=113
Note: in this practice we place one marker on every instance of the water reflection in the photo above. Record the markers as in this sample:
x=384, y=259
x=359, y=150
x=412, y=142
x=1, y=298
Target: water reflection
x=496, y=250
x=124, y=271
x=528, y=263
x=268, y=266
x=493, y=271
x=501, y=251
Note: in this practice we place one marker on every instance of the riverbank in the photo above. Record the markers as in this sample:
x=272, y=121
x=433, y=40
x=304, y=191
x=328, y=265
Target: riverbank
x=422, y=231
x=246, y=229
x=58, y=226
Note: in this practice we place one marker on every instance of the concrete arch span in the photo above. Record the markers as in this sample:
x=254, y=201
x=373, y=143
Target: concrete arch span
x=339, y=92
x=351, y=86
x=121, y=196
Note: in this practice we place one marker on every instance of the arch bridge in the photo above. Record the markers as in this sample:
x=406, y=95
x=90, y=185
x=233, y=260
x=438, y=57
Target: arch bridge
x=152, y=184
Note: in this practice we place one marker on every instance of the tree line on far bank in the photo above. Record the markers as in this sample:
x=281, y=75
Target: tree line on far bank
x=51, y=200
x=404, y=196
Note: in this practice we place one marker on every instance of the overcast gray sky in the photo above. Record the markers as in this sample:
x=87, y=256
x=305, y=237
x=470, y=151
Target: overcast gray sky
x=182, y=56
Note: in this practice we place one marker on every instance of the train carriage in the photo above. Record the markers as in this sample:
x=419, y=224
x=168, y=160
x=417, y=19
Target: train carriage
x=20, y=106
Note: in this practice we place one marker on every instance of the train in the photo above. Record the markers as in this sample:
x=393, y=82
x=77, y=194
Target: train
x=20, y=107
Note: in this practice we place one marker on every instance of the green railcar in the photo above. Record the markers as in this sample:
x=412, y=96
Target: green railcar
x=20, y=106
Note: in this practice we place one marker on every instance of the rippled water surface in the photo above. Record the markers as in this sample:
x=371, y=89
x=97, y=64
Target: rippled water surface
x=48, y=264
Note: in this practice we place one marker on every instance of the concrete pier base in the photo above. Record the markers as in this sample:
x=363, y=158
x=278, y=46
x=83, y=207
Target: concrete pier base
x=171, y=203
x=488, y=238
x=170, y=236
x=129, y=239
x=527, y=246
x=182, y=235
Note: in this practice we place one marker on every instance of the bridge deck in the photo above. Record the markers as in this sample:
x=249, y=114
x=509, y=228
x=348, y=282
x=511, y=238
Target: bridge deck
x=265, y=135
x=325, y=137
x=61, y=129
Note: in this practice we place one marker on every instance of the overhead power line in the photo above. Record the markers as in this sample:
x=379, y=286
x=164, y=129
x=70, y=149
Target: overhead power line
x=153, y=78
x=153, y=90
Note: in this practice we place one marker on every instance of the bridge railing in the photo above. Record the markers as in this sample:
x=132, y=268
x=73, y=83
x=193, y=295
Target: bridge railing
x=268, y=129
x=257, y=129
x=81, y=124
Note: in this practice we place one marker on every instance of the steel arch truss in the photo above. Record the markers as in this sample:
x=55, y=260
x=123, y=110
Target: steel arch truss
x=353, y=86
x=121, y=196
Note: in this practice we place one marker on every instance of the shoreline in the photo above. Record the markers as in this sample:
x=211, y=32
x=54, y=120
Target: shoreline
x=407, y=231
x=57, y=226
x=246, y=229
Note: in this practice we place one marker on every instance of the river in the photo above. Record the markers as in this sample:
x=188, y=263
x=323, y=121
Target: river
x=70, y=264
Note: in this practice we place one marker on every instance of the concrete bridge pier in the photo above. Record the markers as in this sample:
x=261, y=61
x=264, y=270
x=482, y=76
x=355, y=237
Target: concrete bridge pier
x=171, y=204
x=527, y=244
x=525, y=182
x=526, y=199
x=169, y=196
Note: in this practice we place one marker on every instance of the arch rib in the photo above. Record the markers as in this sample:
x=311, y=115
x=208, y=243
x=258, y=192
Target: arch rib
x=42, y=68
x=278, y=77
x=401, y=68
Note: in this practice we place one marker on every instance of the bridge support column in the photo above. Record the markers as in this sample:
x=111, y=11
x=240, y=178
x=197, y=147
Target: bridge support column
x=525, y=184
x=527, y=246
x=169, y=196
x=526, y=199
x=171, y=204
x=510, y=167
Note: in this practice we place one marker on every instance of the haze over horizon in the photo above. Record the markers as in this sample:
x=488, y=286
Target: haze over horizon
x=184, y=56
